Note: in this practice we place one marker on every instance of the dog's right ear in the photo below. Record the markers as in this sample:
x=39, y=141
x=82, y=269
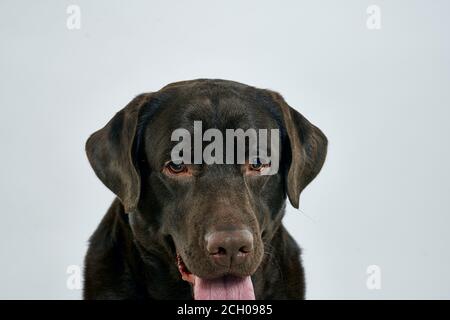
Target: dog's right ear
x=110, y=153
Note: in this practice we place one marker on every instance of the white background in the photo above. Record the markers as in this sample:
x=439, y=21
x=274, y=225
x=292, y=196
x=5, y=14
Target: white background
x=381, y=96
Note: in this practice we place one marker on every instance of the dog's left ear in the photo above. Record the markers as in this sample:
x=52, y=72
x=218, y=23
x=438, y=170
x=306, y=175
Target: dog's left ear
x=110, y=153
x=308, y=146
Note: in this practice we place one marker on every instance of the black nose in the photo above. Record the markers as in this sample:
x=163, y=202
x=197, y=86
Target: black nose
x=229, y=247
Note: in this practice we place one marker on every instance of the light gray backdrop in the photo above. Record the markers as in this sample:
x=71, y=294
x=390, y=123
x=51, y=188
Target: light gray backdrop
x=381, y=96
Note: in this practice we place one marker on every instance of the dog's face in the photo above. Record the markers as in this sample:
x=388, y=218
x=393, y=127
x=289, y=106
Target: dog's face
x=215, y=219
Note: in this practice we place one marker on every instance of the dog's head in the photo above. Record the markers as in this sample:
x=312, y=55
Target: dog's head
x=215, y=219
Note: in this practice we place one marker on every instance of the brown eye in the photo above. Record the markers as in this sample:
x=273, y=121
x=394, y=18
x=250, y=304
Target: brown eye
x=257, y=165
x=176, y=168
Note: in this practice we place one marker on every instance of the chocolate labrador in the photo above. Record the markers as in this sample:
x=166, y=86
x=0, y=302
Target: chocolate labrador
x=181, y=230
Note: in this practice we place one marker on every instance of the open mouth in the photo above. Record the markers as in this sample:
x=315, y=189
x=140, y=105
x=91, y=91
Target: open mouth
x=227, y=287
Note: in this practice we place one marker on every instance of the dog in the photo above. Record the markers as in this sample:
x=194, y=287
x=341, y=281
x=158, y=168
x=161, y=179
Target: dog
x=193, y=230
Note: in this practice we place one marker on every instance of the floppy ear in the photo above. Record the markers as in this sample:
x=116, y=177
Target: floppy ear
x=110, y=153
x=308, y=146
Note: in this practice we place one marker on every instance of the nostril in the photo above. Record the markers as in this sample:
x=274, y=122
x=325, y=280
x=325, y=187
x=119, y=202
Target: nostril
x=221, y=251
x=244, y=249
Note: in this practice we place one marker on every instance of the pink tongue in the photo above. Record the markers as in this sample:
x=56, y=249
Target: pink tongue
x=225, y=288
